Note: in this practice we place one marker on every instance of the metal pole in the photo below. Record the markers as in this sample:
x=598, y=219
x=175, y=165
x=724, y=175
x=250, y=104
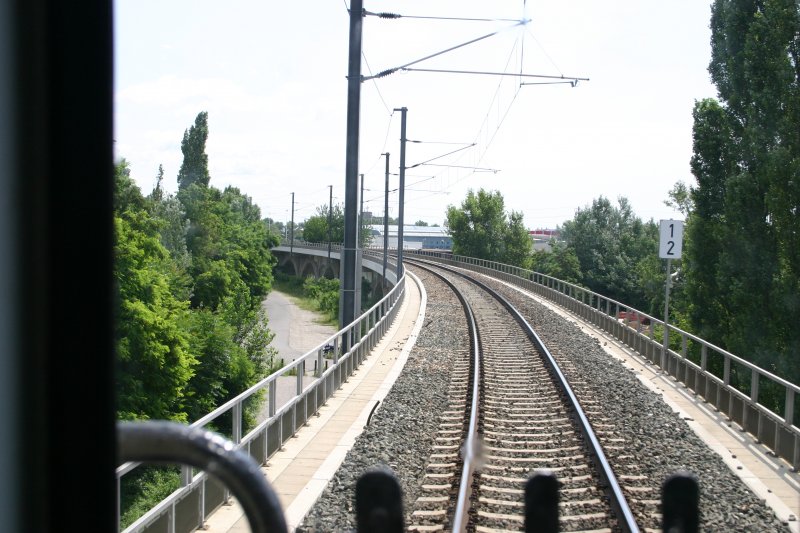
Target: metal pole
x=361, y=215
x=347, y=296
x=386, y=220
x=400, y=222
x=291, y=230
x=666, y=318
x=330, y=222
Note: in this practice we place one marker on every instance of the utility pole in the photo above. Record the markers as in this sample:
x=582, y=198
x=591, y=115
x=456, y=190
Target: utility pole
x=291, y=230
x=348, y=297
x=386, y=220
x=361, y=215
x=403, y=112
x=330, y=222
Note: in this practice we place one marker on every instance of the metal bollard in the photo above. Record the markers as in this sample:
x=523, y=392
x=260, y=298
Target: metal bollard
x=541, y=503
x=680, y=496
x=379, y=503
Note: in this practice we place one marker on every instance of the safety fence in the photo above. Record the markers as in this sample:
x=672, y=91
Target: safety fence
x=760, y=402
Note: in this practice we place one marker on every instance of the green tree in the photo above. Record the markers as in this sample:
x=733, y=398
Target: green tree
x=610, y=244
x=481, y=228
x=743, y=237
x=560, y=262
x=194, y=169
x=154, y=359
x=315, y=228
x=680, y=198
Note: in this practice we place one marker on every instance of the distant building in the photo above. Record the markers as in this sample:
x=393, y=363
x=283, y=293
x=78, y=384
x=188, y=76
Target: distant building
x=541, y=238
x=414, y=237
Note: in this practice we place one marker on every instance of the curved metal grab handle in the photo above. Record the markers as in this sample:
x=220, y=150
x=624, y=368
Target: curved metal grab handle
x=170, y=442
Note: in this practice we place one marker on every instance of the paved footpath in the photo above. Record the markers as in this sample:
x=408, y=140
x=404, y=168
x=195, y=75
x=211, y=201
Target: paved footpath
x=300, y=471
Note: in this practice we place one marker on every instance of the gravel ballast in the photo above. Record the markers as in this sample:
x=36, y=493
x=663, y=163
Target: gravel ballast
x=402, y=430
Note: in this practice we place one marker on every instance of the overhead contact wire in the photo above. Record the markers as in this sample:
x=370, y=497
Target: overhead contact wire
x=401, y=67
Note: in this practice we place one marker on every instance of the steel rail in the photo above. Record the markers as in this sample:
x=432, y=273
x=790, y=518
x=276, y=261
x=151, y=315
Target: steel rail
x=617, y=500
x=469, y=450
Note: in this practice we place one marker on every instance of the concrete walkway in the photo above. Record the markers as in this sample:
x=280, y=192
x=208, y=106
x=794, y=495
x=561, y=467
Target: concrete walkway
x=300, y=471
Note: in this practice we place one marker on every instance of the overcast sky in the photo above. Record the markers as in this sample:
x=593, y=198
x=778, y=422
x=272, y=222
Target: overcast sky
x=272, y=77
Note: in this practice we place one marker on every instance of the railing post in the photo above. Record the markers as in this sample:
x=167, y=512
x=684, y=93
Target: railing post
x=301, y=370
x=336, y=349
x=753, y=385
x=272, y=395
x=726, y=372
x=237, y=422
x=789, y=407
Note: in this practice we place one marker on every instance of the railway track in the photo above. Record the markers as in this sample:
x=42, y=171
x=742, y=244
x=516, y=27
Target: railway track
x=511, y=414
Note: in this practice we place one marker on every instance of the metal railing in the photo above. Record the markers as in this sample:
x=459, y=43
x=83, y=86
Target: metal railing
x=193, y=502
x=728, y=382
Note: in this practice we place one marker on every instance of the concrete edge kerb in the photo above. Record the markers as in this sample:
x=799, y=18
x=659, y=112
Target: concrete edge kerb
x=299, y=508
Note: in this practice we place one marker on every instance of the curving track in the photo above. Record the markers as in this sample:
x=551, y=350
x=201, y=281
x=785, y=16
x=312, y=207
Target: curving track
x=527, y=419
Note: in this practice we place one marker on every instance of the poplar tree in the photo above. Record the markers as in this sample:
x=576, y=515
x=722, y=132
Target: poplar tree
x=742, y=257
x=194, y=169
x=481, y=228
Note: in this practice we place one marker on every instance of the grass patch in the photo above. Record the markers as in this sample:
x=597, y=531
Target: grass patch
x=319, y=296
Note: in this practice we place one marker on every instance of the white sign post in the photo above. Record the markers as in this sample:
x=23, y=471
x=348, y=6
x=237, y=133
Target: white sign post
x=670, y=247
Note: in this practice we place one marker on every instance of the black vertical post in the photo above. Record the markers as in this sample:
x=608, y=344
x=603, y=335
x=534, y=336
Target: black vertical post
x=379, y=503
x=347, y=297
x=680, y=497
x=386, y=220
x=57, y=454
x=330, y=222
x=400, y=221
x=541, y=504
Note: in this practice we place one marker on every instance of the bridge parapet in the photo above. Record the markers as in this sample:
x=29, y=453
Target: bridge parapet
x=312, y=259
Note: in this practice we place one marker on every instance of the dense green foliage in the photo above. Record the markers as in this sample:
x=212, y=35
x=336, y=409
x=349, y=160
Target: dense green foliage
x=742, y=253
x=154, y=359
x=617, y=253
x=192, y=271
x=481, y=228
x=315, y=228
x=194, y=169
x=144, y=488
